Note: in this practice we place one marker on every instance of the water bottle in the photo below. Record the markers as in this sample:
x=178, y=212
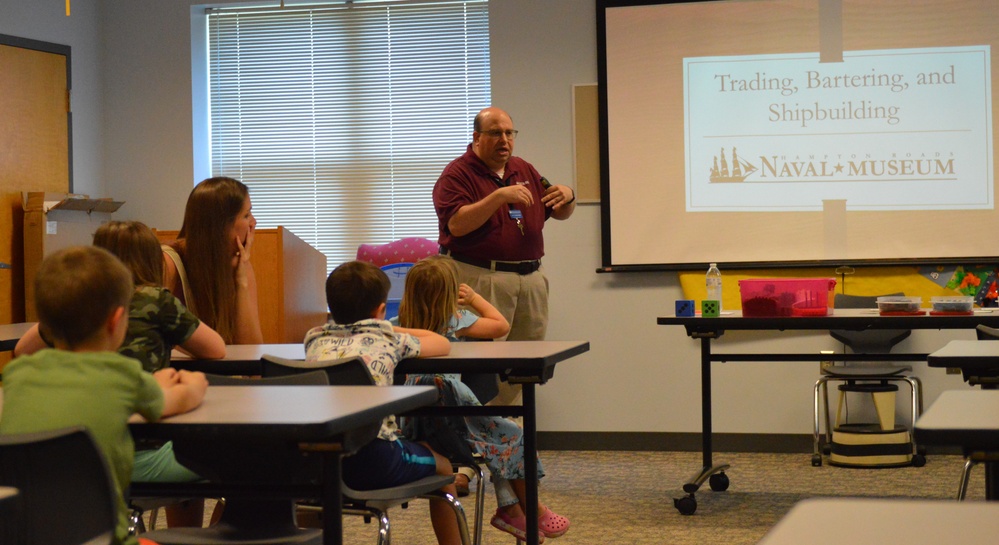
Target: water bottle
x=712, y=280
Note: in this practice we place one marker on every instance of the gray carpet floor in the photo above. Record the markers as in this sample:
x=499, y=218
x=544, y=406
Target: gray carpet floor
x=626, y=497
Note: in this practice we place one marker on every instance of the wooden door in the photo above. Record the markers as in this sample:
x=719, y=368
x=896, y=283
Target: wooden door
x=34, y=148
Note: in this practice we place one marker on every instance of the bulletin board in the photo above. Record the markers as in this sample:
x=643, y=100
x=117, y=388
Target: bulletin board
x=586, y=143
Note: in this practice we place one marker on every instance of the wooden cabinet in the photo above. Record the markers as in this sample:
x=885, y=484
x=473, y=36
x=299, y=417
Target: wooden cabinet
x=291, y=283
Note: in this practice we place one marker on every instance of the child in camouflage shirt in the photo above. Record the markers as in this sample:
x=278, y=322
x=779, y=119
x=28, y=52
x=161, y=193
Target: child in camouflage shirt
x=157, y=322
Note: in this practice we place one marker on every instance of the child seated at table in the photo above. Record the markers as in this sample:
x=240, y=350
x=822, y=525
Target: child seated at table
x=357, y=293
x=82, y=296
x=432, y=299
x=157, y=322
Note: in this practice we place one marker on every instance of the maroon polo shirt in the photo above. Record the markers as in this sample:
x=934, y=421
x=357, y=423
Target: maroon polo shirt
x=467, y=180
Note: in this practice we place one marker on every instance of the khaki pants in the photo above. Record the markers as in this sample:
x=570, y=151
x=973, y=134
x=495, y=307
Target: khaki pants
x=522, y=299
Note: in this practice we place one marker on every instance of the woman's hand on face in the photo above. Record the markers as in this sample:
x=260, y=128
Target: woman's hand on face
x=243, y=250
x=241, y=261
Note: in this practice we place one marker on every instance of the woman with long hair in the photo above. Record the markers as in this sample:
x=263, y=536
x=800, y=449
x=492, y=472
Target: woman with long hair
x=208, y=266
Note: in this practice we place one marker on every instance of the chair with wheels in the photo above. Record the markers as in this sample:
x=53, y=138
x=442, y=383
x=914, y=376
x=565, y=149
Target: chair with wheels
x=61, y=471
x=865, y=445
x=372, y=503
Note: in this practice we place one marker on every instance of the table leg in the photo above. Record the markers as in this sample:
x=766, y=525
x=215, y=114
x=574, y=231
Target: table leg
x=991, y=481
x=688, y=504
x=706, y=446
x=332, y=500
x=531, y=462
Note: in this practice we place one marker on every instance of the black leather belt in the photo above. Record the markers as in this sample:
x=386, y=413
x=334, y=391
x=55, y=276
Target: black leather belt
x=519, y=267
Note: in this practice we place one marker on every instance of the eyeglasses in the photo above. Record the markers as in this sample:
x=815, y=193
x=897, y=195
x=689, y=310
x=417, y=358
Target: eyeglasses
x=510, y=135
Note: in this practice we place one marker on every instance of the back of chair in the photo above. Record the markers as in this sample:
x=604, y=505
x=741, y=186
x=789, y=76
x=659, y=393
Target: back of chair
x=842, y=300
x=986, y=333
x=873, y=341
x=308, y=378
x=66, y=493
x=340, y=372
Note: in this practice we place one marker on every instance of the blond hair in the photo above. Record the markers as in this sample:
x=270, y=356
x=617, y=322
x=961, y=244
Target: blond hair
x=430, y=297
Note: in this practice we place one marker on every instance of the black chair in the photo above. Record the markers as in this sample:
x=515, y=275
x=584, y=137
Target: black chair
x=875, y=378
x=311, y=378
x=986, y=333
x=370, y=503
x=61, y=471
x=341, y=372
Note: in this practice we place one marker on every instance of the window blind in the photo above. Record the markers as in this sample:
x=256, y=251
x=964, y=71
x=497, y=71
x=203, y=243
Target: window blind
x=340, y=118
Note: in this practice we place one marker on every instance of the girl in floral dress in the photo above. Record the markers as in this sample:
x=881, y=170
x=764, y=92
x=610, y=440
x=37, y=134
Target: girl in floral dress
x=434, y=300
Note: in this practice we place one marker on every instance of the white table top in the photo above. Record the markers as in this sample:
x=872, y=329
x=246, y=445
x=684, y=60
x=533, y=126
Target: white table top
x=965, y=418
x=460, y=350
x=11, y=333
x=845, y=318
x=530, y=357
x=302, y=412
x=973, y=353
x=305, y=412
x=868, y=521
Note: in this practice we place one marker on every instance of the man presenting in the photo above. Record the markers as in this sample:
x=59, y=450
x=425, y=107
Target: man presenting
x=491, y=209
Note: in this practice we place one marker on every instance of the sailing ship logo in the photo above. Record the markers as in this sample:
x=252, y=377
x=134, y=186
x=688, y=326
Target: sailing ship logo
x=740, y=169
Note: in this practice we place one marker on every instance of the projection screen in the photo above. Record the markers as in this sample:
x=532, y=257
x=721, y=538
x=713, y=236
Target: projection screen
x=796, y=132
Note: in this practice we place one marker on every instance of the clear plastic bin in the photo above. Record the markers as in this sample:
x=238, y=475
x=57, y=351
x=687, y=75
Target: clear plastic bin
x=953, y=304
x=899, y=304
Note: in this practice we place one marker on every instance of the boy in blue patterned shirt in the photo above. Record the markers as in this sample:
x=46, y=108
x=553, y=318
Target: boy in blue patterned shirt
x=357, y=293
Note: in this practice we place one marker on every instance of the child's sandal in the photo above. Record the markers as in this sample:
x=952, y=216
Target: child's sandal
x=517, y=527
x=552, y=524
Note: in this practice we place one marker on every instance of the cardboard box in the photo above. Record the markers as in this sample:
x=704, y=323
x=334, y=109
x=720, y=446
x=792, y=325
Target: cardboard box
x=57, y=220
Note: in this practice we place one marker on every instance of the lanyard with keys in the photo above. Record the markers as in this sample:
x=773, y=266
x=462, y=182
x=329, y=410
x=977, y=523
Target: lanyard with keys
x=518, y=217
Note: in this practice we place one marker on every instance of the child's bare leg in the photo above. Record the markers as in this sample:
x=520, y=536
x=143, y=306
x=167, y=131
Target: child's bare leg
x=441, y=514
x=520, y=489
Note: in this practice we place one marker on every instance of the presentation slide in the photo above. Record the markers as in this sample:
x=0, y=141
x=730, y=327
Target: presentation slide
x=827, y=132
